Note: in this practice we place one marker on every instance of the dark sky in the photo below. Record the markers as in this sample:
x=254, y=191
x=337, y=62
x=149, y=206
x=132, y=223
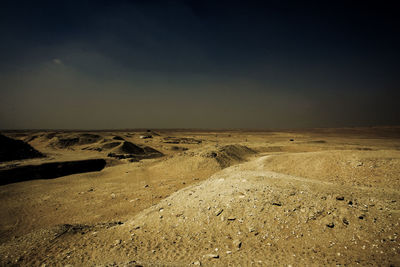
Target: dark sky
x=198, y=64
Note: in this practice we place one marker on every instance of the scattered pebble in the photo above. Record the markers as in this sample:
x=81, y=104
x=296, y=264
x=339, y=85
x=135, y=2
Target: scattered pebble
x=218, y=212
x=330, y=225
x=211, y=256
x=237, y=243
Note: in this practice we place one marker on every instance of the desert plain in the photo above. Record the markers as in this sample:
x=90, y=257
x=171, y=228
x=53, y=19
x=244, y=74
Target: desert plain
x=308, y=197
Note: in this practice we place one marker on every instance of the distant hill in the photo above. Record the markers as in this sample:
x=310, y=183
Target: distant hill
x=11, y=149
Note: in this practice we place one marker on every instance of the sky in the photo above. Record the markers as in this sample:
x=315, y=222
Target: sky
x=121, y=64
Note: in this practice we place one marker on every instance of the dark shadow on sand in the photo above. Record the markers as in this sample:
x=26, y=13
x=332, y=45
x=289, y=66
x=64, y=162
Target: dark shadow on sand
x=50, y=170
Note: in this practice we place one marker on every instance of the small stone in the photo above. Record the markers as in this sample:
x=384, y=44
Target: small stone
x=330, y=225
x=228, y=252
x=113, y=195
x=211, y=256
x=218, y=212
x=197, y=263
x=237, y=243
x=117, y=242
x=340, y=198
x=146, y=186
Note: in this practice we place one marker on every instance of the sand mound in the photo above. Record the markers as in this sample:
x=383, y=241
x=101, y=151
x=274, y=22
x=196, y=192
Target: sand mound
x=181, y=140
x=230, y=154
x=241, y=215
x=130, y=148
x=135, y=152
x=351, y=167
x=110, y=145
x=11, y=149
x=75, y=140
x=177, y=148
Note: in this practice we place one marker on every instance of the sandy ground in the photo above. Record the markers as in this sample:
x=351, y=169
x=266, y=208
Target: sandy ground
x=237, y=198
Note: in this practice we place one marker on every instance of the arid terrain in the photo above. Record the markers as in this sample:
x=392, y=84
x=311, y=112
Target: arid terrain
x=212, y=198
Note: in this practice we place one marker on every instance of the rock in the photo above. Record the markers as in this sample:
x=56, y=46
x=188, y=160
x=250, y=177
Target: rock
x=145, y=186
x=197, y=263
x=218, y=212
x=211, y=256
x=237, y=243
x=330, y=225
x=252, y=229
x=117, y=242
x=113, y=195
x=340, y=198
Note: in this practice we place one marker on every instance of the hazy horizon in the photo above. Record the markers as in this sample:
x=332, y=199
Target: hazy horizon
x=198, y=64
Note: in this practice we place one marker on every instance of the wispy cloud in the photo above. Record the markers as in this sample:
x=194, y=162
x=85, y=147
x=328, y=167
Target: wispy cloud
x=57, y=61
